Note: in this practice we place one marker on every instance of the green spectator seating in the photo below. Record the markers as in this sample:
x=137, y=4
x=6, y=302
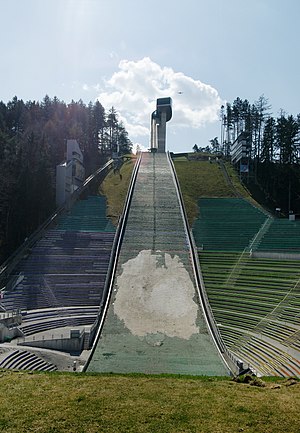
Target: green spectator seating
x=87, y=215
x=66, y=268
x=227, y=224
x=283, y=236
x=255, y=301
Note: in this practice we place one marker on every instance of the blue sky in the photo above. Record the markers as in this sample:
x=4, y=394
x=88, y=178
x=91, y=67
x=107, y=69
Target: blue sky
x=127, y=53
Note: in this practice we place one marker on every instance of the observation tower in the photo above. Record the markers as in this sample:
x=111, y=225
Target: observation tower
x=159, y=118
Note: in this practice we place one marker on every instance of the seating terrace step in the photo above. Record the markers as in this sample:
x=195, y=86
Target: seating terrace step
x=283, y=235
x=226, y=224
x=66, y=268
x=25, y=360
x=48, y=324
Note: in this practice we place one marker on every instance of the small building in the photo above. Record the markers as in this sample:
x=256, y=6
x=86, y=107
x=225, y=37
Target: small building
x=70, y=174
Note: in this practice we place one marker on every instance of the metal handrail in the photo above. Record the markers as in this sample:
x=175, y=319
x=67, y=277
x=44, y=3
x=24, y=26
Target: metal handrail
x=116, y=247
x=8, y=265
x=226, y=356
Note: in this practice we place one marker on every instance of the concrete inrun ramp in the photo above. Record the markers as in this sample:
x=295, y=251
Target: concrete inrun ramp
x=154, y=323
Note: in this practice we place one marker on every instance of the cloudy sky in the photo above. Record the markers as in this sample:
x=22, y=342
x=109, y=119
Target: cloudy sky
x=128, y=53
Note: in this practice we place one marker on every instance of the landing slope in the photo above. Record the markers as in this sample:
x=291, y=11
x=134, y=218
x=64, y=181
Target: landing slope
x=154, y=323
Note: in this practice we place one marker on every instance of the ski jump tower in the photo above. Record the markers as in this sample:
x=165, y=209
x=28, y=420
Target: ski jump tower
x=159, y=118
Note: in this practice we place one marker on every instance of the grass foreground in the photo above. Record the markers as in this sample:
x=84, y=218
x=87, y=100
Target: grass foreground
x=95, y=403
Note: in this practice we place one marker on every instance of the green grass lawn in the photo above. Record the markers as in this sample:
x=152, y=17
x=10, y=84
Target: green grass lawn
x=240, y=188
x=205, y=179
x=200, y=179
x=90, y=403
x=197, y=179
x=115, y=188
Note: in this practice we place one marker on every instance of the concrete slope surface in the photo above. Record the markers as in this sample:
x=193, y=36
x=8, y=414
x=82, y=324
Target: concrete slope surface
x=154, y=323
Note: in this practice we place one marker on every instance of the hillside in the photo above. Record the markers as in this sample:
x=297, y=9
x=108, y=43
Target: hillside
x=197, y=179
x=200, y=178
x=115, y=187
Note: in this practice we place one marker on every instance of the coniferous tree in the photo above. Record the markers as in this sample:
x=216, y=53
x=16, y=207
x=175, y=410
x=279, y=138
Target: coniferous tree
x=287, y=139
x=268, y=141
x=32, y=142
x=112, y=123
x=228, y=121
x=274, y=148
x=125, y=145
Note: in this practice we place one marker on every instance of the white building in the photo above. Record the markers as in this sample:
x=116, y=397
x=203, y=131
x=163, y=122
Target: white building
x=70, y=174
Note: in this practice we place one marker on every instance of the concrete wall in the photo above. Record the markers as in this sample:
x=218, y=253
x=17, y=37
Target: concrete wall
x=73, y=344
x=161, y=139
x=277, y=256
x=63, y=183
x=9, y=329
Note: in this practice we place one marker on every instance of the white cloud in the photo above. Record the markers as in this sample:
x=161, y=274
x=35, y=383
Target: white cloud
x=139, y=147
x=134, y=88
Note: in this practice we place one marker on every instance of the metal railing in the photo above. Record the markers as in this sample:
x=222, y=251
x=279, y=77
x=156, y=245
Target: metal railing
x=8, y=266
x=229, y=360
x=96, y=330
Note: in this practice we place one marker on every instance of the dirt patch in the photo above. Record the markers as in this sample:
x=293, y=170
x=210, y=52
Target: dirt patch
x=155, y=295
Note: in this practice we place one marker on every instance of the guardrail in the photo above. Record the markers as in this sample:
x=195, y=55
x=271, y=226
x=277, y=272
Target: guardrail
x=8, y=266
x=96, y=329
x=229, y=360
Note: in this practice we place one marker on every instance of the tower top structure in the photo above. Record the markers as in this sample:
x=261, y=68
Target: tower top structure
x=159, y=117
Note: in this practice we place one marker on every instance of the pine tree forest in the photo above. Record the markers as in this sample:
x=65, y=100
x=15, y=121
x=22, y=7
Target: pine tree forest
x=274, y=150
x=32, y=143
